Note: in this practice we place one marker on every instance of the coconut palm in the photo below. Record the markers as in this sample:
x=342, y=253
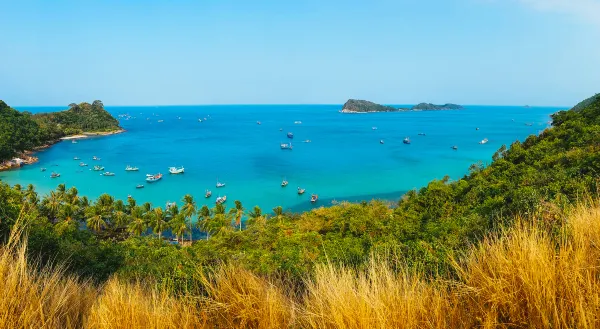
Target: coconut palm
x=179, y=226
x=131, y=204
x=62, y=191
x=238, y=212
x=67, y=215
x=52, y=204
x=95, y=218
x=188, y=210
x=72, y=195
x=204, y=219
x=256, y=216
x=138, y=225
x=158, y=221
x=30, y=195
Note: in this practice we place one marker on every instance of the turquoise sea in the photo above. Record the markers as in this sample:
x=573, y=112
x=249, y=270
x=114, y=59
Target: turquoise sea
x=343, y=161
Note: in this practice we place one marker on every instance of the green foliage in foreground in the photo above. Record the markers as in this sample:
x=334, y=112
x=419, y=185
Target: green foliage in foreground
x=107, y=236
x=25, y=131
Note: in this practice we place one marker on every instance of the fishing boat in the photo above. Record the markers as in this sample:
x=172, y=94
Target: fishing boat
x=108, y=173
x=54, y=175
x=175, y=170
x=153, y=178
x=207, y=194
x=95, y=158
x=98, y=168
x=290, y=135
x=286, y=146
x=483, y=141
x=221, y=199
x=81, y=164
x=301, y=191
x=314, y=198
x=284, y=183
x=42, y=169
x=139, y=186
x=406, y=140
x=130, y=168
x=381, y=141
x=455, y=147
x=76, y=158
x=219, y=184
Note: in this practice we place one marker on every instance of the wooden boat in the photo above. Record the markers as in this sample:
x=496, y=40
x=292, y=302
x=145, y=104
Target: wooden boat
x=154, y=178
x=284, y=183
x=208, y=194
x=130, y=168
x=314, y=198
x=54, y=175
x=406, y=140
x=175, y=170
x=301, y=191
x=139, y=186
x=221, y=200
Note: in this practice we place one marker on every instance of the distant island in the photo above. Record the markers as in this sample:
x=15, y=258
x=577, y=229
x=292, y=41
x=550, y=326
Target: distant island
x=21, y=133
x=362, y=106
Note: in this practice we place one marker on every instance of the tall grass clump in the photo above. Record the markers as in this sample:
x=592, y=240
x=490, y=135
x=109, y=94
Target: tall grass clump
x=38, y=298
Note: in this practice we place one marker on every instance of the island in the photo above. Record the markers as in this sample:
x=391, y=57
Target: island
x=362, y=106
x=23, y=133
x=434, y=107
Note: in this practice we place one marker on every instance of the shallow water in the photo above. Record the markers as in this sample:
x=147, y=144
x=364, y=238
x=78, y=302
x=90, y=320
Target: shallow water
x=343, y=161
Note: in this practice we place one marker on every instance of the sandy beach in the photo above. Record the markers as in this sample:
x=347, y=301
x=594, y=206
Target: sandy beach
x=86, y=135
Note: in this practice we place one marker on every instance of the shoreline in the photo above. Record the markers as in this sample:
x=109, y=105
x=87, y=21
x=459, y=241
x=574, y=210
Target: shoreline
x=28, y=158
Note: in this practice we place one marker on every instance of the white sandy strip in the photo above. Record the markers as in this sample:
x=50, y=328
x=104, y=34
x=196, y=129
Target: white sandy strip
x=73, y=137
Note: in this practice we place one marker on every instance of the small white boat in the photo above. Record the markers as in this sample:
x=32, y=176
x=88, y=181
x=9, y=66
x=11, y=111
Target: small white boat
x=221, y=199
x=130, y=168
x=207, y=194
x=98, y=168
x=81, y=164
x=455, y=147
x=175, y=170
x=284, y=183
x=406, y=140
x=199, y=120
x=381, y=141
x=421, y=134
x=74, y=141
x=483, y=141
x=139, y=186
x=108, y=173
x=314, y=198
x=286, y=146
x=95, y=158
x=219, y=184
x=76, y=158
x=374, y=128
x=297, y=122
x=161, y=120
x=258, y=123
x=301, y=191
x=42, y=169
x=306, y=141
x=54, y=175
x=153, y=178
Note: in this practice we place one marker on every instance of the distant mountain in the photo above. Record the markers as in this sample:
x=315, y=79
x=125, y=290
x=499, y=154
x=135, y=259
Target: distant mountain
x=362, y=106
x=585, y=103
x=433, y=107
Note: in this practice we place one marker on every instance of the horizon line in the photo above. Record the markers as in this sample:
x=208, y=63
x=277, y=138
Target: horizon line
x=284, y=104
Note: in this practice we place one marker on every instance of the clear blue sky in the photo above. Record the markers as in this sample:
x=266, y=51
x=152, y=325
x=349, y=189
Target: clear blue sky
x=537, y=52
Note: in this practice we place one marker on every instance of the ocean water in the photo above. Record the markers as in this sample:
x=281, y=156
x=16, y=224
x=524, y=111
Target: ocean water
x=343, y=161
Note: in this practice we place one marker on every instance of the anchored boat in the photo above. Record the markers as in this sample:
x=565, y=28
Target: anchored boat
x=54, y=175
x=286, y=146
x=175, y=170
x=314, y=198
x=208, y=194
x=98, y=168
x=284, y=183
x=406, y=140
x=301, y=191
x=153, y=178
x=130, y=168
x=484, y=141
x=290, y=135
x=221, y=200
x=108, y=173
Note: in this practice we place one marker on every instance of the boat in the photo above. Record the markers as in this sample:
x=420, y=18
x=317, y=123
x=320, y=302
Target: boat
x=95, y=158
x=374, y=128
x=81, y=164
x=529, y=124
x=161, y=120
x=139, y=186
x=406, y=140
x=421, y=134
x=153, y=178
x=284, y=183
x=130, y=168
x=108, y=173
x=298, y=122
x=286, y=146
x=221, y=199
x=301, y=191
x=381, y=141
x=455, y=147
x=76, y=158
x=42, y=169
x=74, y=141
x=280, y=129
x=258, y=122
x=306, y=141
x=290, y=135
x=208, y=194
x=98, y=168
x=477, y=128
x=175, y=170
x=149, y=175
x=483, y=141
x=199, y=120
x=54, y=175
x=314, y=198
x=219, y=184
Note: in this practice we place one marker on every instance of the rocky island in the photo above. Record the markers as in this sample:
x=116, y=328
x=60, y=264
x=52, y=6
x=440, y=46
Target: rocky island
x=434, y=107
x=362, y=106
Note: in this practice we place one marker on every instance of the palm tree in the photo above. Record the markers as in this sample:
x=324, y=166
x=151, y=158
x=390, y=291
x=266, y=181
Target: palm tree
x=52, y=204
x=30, y=195
x=67, y=215
x=131, y=204
x=158, y=222
x=238, y=212
x=84, y=202
x=204, y=220
x=95, y=219
x=147, y=207
x=188, y=210
x=278, y=212
x=72, y=195
x=98, y=103
x=62, y=191
x=72, y=105
x=256, y=216
x=138, y=223
x=179, y=226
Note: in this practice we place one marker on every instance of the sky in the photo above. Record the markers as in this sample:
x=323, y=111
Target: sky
x=489, y=52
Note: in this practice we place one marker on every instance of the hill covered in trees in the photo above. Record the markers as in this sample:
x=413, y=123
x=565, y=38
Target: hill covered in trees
x=21, y=131
x=362, y=106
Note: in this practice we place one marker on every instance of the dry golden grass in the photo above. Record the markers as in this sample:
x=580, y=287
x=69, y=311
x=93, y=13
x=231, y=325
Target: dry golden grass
x=532, y=275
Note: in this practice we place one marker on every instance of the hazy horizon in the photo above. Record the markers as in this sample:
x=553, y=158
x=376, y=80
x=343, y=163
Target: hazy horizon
x=234, y=52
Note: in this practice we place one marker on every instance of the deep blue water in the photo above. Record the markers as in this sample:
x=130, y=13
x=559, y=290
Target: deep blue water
x=343, y=161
